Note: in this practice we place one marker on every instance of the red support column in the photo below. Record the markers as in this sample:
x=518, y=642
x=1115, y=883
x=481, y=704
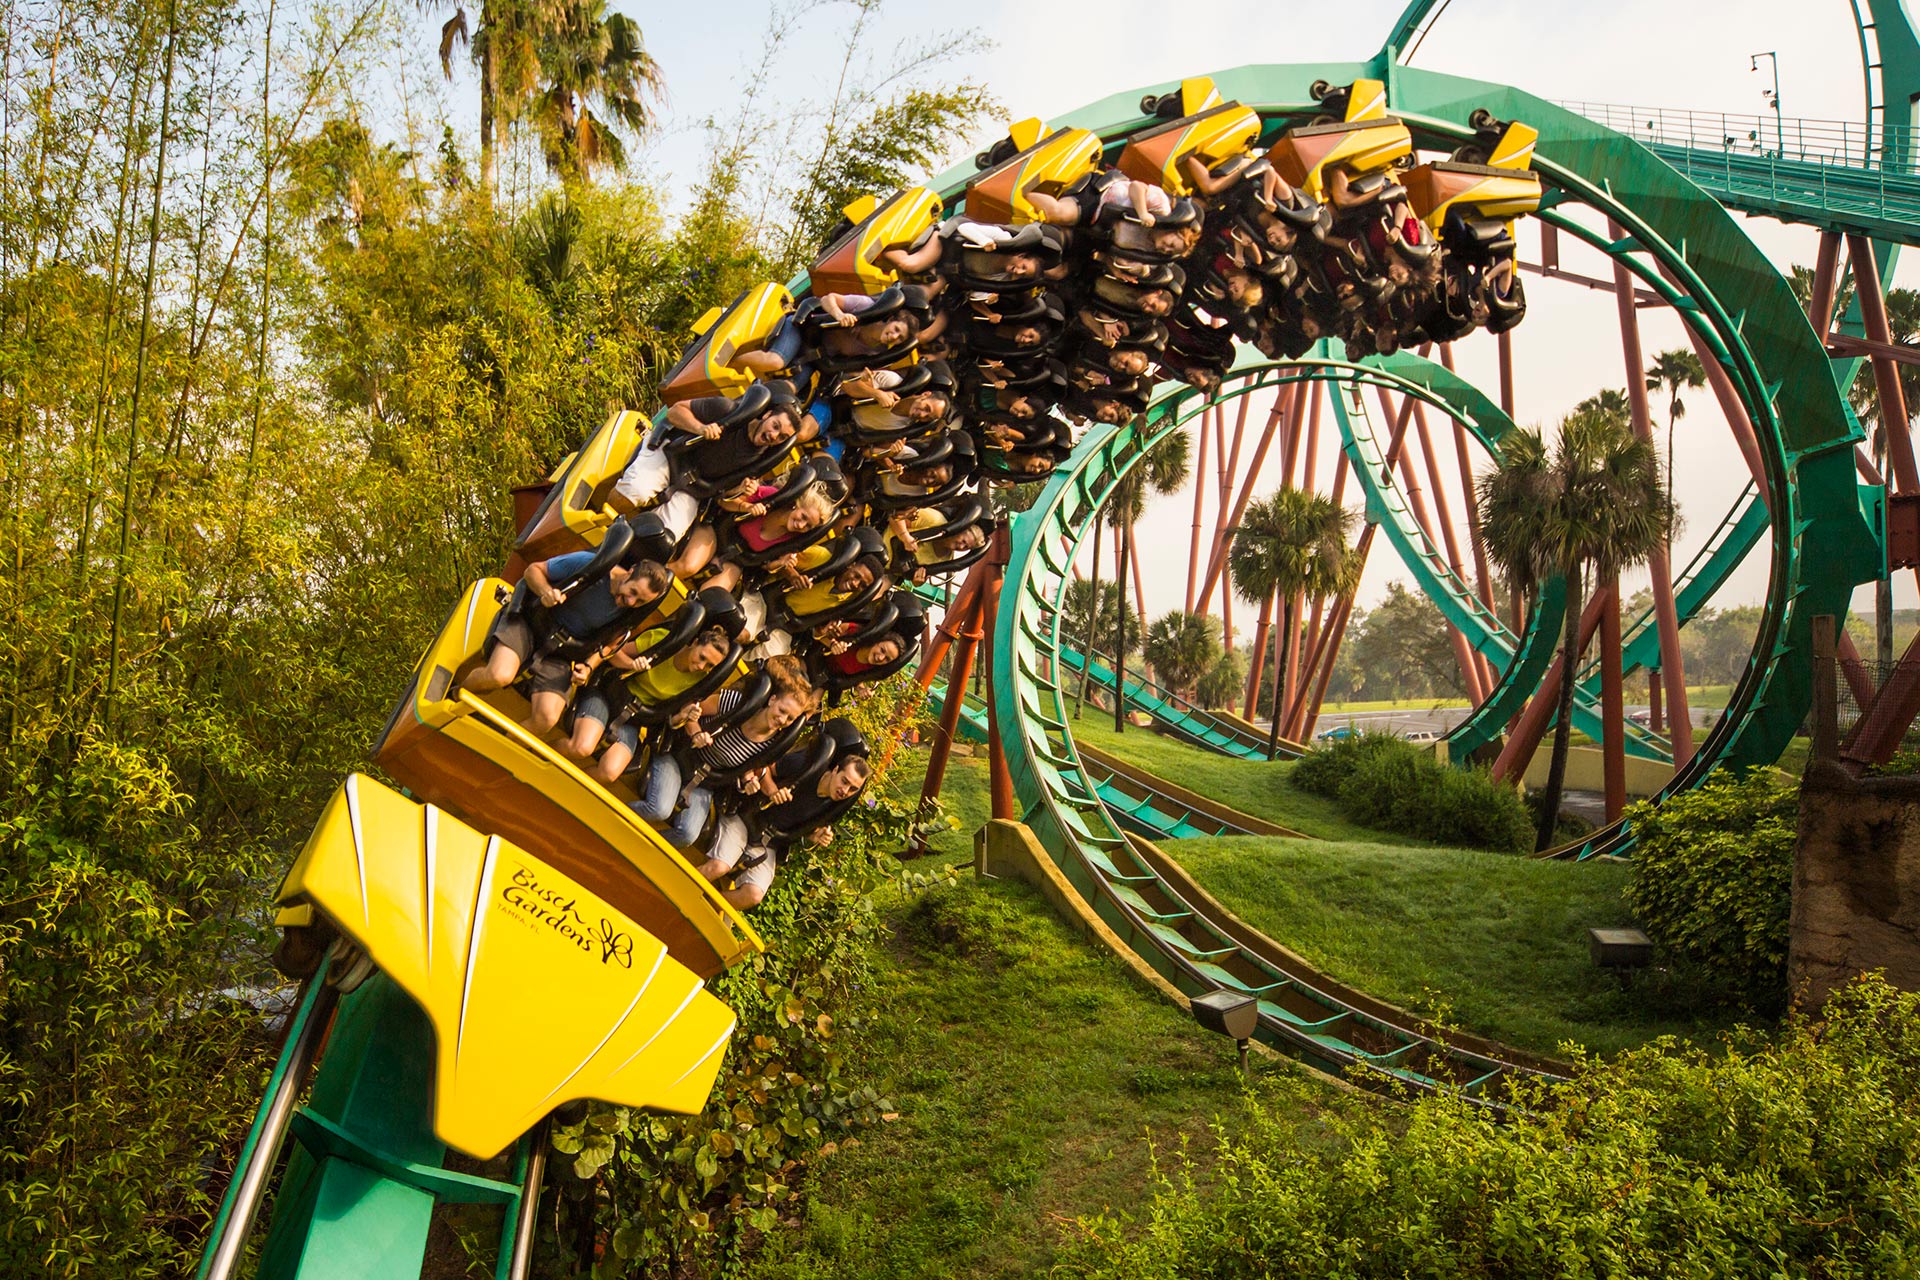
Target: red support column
x=1462, y=653
x=1613, y=708
x=951, y=624
x=1826, y=277
x=1312, y=640
x=1859, y=683
x=1666, y=619
x=1216, y=563
x=1656, y=719
x=1482, y=577
x=1139, y=591
x=1531, y=724
x=1311, y=467
x=1199, y=502
x=1506, y=373
x=943, y=736
x=1886, y=373
x=1259, y=657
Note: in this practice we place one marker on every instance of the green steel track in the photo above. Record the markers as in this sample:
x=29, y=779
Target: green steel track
x=1676, y=241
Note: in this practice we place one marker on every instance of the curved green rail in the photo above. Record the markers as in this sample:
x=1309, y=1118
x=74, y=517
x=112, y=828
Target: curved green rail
x=1678, y=242
x=1178, y=716
x=1176, y=934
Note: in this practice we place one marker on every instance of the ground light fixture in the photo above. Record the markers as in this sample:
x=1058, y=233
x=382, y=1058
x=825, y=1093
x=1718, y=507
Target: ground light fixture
x=1233, y=1014
x=1620, y=950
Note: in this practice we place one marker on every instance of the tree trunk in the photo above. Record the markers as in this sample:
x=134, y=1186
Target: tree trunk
x=1283, y=641
x=1139, y=590
x=1563, y=724
x=486, y=118
x=1125, y=536
x=1259, y=657
x=1613, y=742
x=1093, y=627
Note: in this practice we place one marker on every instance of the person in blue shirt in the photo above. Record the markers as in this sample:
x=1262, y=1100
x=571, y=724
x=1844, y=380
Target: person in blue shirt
x=551, y=640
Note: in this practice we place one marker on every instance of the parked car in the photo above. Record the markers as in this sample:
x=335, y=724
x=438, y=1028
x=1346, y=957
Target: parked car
x=1339, y=733
x=1421, y=735
x=1641, y=718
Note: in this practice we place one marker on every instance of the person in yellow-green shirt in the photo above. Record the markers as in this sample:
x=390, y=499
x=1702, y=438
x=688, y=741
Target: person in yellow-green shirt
x=820, y=597
x=607, y=705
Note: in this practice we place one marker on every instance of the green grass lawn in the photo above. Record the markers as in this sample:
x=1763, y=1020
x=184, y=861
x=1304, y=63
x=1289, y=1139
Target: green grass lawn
x=1030, y=1074
x=1496, y=944
x=1251, y=786
x=1497, y=940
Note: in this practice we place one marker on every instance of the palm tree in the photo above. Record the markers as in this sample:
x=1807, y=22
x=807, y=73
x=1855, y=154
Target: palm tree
x=1610, y=401
x=561, y=56
x=1082, y=617
x=1676, y=370
x=1182, y=648
x=592, y=57
x=1294, y=543
x=1591, y=507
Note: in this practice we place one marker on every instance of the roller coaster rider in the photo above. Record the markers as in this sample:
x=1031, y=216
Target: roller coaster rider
x=798, y=797
x=550, y=637
x=607, y=705
x=673, y=777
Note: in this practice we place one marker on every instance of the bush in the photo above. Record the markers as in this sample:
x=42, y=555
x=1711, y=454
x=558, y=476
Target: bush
x=1713, y=881
x=1381, y=781
x=1323, y=769
x=1797, y=1156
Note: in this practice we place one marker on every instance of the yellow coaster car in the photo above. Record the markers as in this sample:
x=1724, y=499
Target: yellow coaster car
x=1029, y=159
x=722, y=335
x=576, y=511
x=1367, y=140
x=1501, y=189
x=472, y=757
x=1210, y=135
x=851, y=263
x=540, y=990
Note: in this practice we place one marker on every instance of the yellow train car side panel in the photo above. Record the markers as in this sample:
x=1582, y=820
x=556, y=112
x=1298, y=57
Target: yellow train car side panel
x=1215, y=135
x=452, y=749
x=1050, y=165
x=1515, y=148
x=1366, y=100
x=850, y=264
x=707, y=367
x=1303, y=155
x=1486, y=192
x=578, y=516
x=539, y=991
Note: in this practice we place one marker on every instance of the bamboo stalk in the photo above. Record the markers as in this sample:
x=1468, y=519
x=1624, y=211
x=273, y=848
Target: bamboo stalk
x=140, y=368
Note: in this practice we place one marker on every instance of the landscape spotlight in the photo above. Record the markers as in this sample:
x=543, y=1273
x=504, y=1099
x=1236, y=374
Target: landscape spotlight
x=1231, y=1013
x=1621, y=950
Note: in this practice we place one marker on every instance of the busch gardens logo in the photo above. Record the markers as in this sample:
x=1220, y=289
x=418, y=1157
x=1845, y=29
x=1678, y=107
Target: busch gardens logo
x=547, y=906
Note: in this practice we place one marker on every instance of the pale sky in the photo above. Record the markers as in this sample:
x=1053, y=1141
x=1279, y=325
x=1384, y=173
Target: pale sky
x=1049, y=57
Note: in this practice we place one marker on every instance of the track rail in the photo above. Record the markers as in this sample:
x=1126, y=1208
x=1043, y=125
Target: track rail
x=1680, y=244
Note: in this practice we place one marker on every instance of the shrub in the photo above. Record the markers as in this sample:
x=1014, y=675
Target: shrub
x=1382, y=781
x=1408, y=791
x=1323, y=769
x=1713, y=878
x=1795, y=1156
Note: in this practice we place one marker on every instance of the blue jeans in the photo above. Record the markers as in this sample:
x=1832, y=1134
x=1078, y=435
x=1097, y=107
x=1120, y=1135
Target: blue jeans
x=664, y=781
